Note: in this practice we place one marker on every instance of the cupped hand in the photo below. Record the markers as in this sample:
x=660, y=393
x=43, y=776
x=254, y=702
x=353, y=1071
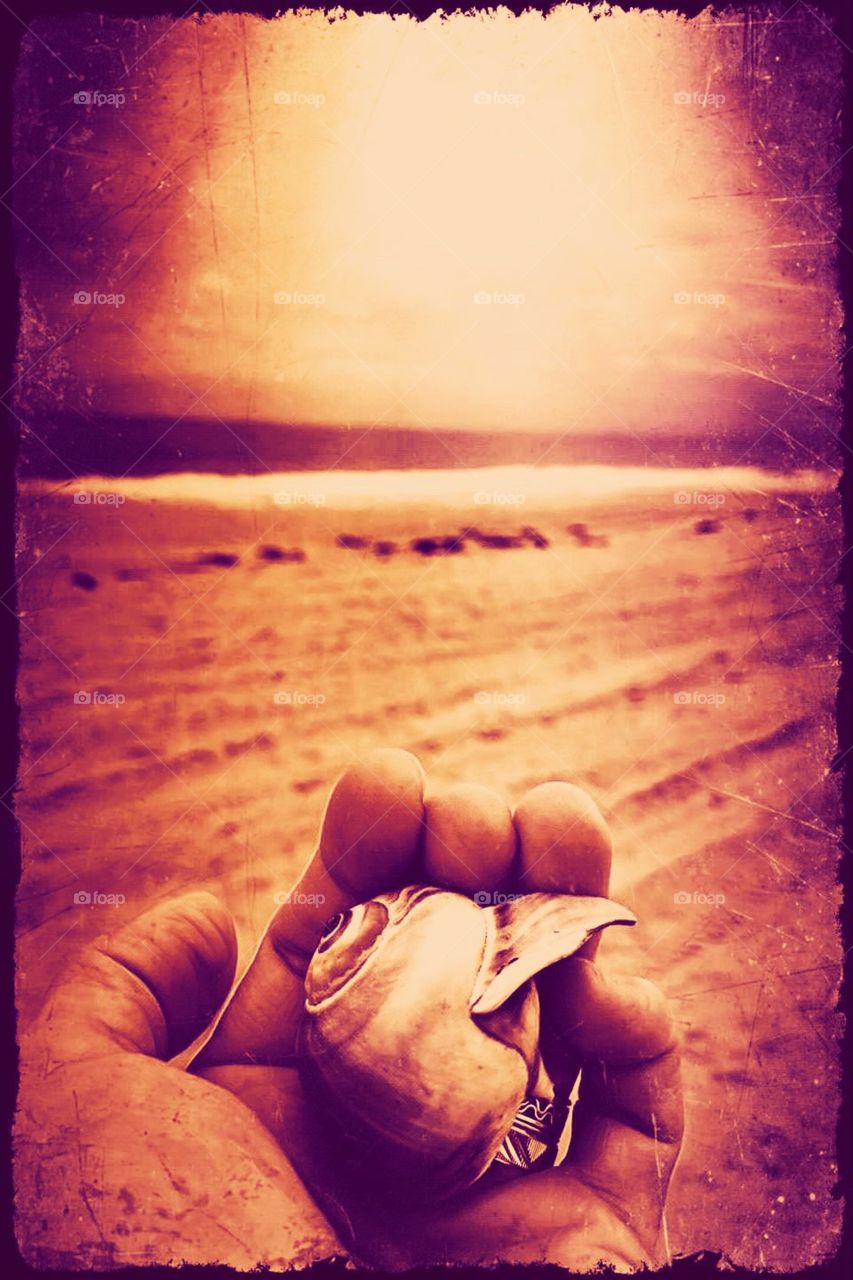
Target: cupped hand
x=208, y=1159
x=122, y=1158
x=380, y=833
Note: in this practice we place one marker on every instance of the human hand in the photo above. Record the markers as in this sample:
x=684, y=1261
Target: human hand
x=606, y=1201
x=121, y=1157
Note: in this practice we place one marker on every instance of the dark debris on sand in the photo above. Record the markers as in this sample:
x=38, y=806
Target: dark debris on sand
x=584, y=538
x=218, y=559
x=281, y=555
x=448, y=544
x=445, y=545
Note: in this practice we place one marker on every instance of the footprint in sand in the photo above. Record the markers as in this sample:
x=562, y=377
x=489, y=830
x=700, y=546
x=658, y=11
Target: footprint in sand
x=85, y=581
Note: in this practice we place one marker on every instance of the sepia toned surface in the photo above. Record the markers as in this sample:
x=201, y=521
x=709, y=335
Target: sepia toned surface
x=201, y=655
x=687, y=680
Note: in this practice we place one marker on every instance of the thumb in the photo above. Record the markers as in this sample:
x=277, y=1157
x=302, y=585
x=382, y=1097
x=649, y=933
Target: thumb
x=149, y=988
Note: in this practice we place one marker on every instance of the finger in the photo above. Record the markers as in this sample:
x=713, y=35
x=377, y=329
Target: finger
x=564, y=847
x=150, y=988
x=469, y=839
x=369, y=843
x=621, y=1021
x=628, y=1123
x=564, y=843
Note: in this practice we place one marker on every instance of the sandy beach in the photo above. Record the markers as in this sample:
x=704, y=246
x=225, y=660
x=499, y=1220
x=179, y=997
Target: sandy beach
x=201, y=656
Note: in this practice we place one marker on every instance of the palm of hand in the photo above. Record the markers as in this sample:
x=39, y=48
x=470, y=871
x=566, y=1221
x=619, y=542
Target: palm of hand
x=235, y=1139
x=607, y=1201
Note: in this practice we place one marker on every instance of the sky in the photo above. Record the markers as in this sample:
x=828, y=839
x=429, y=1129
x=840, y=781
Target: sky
x=488, y=222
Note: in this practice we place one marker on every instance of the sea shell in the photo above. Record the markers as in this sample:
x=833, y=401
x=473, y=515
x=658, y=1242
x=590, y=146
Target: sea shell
x=421, y=1035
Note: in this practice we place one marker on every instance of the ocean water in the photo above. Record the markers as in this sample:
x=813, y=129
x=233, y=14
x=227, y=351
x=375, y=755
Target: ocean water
x=506, y=486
